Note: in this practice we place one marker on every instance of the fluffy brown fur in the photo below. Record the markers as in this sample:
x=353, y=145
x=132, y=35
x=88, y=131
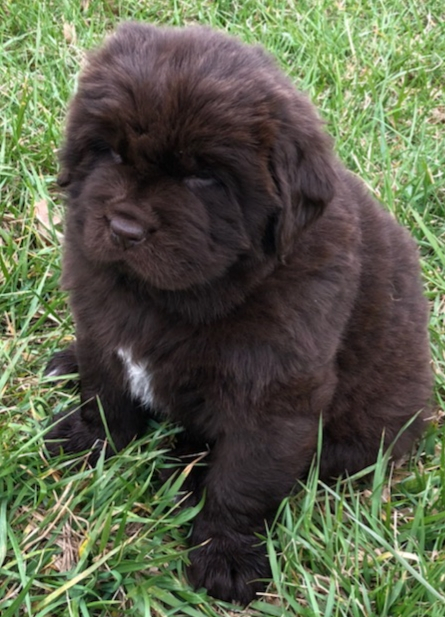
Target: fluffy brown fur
x=226, y=271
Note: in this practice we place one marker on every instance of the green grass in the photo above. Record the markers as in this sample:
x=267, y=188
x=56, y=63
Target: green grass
x=110, y=541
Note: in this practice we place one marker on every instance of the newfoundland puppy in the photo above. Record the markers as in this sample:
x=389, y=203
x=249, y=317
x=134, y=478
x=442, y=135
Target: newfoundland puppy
x=226, y=272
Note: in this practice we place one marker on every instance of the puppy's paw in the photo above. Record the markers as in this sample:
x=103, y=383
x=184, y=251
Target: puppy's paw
x=63, y=362
x=229, y=566
x=71, y=434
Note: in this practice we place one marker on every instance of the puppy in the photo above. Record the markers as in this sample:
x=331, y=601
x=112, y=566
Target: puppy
x=226, y=272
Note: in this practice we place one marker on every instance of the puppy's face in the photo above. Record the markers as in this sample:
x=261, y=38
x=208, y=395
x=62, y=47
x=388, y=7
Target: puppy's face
x=170, y=224
x=177, y=160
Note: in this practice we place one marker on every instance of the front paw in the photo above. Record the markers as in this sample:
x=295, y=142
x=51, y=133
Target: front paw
x=71, y=434
x=228, y=565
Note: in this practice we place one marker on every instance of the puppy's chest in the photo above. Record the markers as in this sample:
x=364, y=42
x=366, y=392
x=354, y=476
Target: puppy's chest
x=159, y=374
x=138, y=377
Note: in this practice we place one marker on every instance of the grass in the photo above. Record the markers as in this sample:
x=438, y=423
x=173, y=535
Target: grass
x=110, y=541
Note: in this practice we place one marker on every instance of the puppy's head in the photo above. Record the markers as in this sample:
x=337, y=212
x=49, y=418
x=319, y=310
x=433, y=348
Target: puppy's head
x=187, y=152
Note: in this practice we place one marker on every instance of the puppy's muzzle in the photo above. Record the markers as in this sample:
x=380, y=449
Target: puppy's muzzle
x=126, y=232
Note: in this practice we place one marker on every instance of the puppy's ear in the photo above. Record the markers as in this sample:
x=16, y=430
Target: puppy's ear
x=302, y=165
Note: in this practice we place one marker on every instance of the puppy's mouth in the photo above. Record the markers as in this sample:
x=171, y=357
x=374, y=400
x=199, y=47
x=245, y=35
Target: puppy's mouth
x=166, y=255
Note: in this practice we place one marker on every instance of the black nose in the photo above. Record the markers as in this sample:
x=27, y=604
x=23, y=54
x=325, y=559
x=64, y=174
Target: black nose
x=126, y=232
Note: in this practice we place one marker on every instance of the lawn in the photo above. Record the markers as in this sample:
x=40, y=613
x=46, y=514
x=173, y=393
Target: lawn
x=111, y=541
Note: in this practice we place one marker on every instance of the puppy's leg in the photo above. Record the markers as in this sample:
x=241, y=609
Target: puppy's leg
x=351, y=448
x=250, y=472
x=102, y=388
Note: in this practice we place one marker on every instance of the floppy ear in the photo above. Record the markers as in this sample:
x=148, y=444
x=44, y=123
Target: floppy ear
x=303, y=168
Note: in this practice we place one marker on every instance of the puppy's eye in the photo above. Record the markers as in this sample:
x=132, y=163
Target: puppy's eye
x=101, y=148
x=201, y=180
x=98, y=146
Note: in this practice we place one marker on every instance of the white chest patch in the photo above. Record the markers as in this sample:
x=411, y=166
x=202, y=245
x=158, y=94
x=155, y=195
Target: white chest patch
x=138, y=378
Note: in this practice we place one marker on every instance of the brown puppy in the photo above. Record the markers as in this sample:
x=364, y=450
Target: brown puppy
x=227, y=272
